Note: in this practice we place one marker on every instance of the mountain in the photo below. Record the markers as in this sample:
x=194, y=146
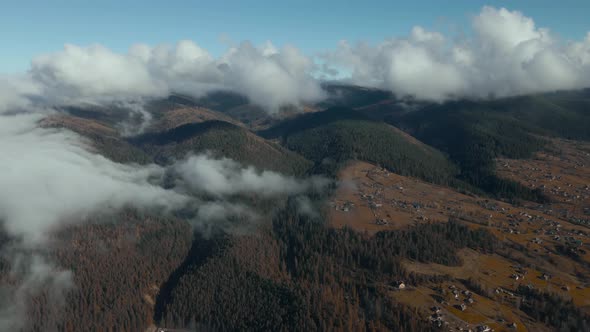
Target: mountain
x=118, y=264
x=174, y=128
x=177, y=117
x=475, y=133
x=101, y=136
x=223, y=139
x=458, y=214
x=337, y=135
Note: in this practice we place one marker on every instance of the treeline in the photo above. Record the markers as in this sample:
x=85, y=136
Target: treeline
x=335, y=136
x=475, y=133
x=117, y=267
x=553, y=310
x=473, y=139
x=303, y=275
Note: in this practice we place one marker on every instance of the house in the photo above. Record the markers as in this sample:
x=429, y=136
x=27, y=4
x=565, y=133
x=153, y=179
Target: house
x=462, y=307
x=483, y=328
x=381, y=222
x=400, y=285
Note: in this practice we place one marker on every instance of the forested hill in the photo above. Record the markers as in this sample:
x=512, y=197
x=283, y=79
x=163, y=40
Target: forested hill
x=474, y=133
x=224, y=140
x=337, y=135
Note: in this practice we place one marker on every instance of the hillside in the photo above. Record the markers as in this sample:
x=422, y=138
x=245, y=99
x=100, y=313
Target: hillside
x=118, y=265
x=101, y=136
x=336, y=259
x=306, y=276
x=539, y=267
x=176, y=117
x=474, y=133
x=332, y=137
x=223, y=139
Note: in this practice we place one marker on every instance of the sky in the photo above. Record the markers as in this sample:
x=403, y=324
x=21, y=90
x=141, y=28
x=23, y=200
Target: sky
x=29, y=28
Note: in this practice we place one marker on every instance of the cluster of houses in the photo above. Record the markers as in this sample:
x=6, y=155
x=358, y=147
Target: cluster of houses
x=569, y=194
x=468, y=297
x=578, y=194
x=377, y=171
x=489, y=205
x=344, y=207
x=381, y=221
x=437, y=318
x=519, y=273
x=554, y=230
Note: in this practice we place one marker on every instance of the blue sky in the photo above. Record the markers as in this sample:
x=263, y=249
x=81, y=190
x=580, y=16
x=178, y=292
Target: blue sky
x=29, y=28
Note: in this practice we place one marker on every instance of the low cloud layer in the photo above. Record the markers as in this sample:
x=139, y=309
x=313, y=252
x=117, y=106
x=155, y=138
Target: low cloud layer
x=223, y=177
x=35, y=275
x=50, y=178
x=506, y=55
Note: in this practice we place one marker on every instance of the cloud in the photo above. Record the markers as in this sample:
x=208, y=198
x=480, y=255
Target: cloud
x=93, y=74
x=268, y=76
x=15, y=92
x=34, y=275
x=506, y=55
x=230, y=217
x=275, y=79
x=48, y=176
x=225, y=177
x=51, y=177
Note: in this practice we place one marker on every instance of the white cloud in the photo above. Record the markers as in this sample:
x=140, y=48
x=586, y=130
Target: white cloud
x=268, y=76
x=278, y=78
x=507, y=55
x=502, y=30
x=224, y=177
x=15, y=92
x=48, y=177
x=94, y=73
x=33, y=275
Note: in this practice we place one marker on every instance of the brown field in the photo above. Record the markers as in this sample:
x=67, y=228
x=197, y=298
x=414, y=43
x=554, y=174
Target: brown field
x=371, y=199
x=562, y=173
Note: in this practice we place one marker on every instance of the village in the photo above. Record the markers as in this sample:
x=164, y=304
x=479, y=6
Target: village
x=549, y=235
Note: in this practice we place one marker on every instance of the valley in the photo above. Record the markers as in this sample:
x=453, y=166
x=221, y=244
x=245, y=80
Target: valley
x=356, y=214
x=545, y=246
